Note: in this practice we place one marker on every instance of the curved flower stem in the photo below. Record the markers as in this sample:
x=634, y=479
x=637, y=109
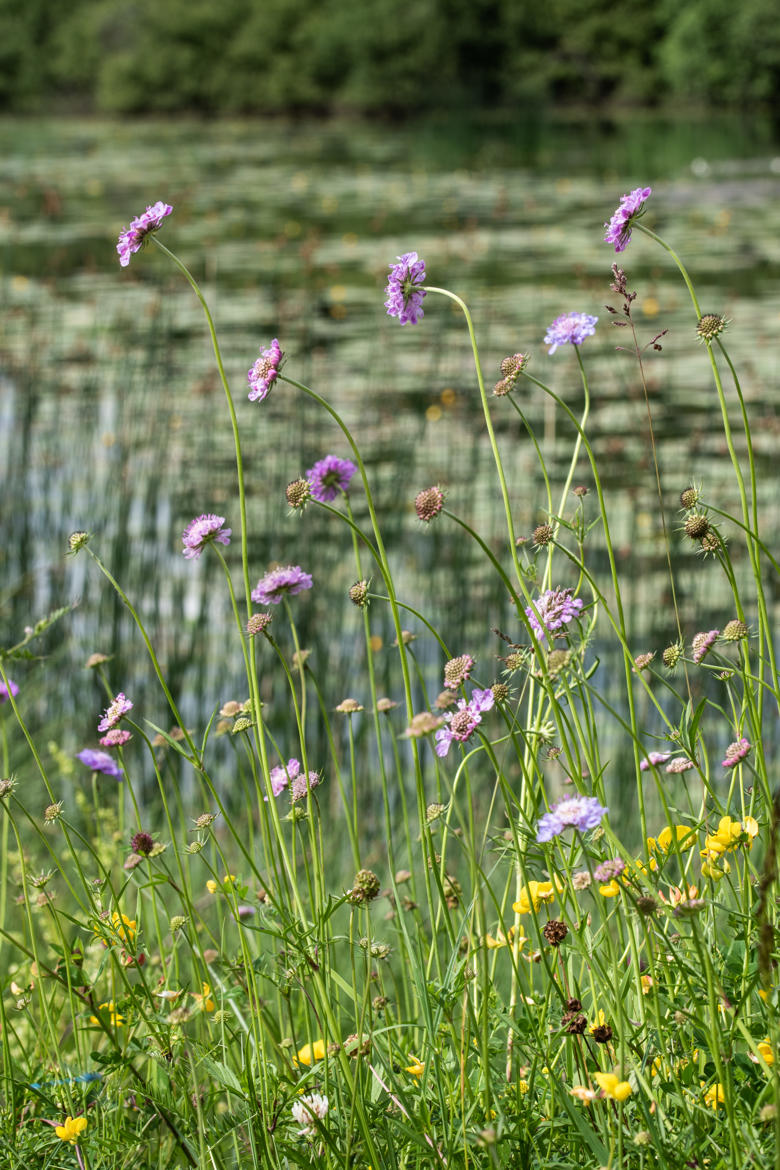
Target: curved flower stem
x=640, y=227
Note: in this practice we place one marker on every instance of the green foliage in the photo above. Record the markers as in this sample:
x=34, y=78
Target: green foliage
x=133, y=56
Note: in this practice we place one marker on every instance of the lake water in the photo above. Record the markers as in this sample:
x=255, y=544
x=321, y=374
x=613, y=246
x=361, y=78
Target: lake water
x=113, y=419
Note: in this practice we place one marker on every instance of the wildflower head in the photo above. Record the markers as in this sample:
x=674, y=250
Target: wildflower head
x=302, y=784
x=349, y=707
x=52, y=812
x=607, y=871
x=642, y=661
x=365, y=887
x=100, y=762
x=672, y=655
x=71, y=1129
x=142, y=843
x=653, y=759
x=576, y=812
x=710, y=326
x=714, y=1096
x=423, y=724
x=556, y=608
x=329, y=476
x=736, y=752
x=201, y=531
x=461, y=724
x=258, y=623
x=511, y=368
x=298, y=493
x=308, y=1111
x=570, y=329
x=131, y=239
x=678, y=765
x=281, y=582
x=264, y=372
x=612, y=1086
x=310, y=1053
x=457, y=670
x=703, y=643
x=428, y=503
x=555, y=931
x=689, y=497
x=631, y=207
x=116, y=737
x=358, y=594
x=533, y=895
x=403, y=291
x=734, y=631
x=542, y=534
x=696, y=525
x=114, y=712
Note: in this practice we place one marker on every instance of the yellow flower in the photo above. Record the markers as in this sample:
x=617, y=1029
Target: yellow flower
x=503, y=940
x=523, y=1087
x=115, y=1018
x=212, y=886
x=714, y=1095
x=122, y=928
x=686, y=838
x=310, y=1052
x=610, y=890
x=203, y=998
x=416, y=1068
x=612, y=1086
x=730, y=834
x=533, y=895
x=599, y=1022
x=715, y=868
x=647, y=984
x=765, y=1048
x=227, y=881
x=71, y=1129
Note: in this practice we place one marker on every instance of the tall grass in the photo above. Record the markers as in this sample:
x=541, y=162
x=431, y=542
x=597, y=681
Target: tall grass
x=515, y=980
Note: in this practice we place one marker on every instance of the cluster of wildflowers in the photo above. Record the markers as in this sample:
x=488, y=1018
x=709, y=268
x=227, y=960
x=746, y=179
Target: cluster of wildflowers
x=201, y=531
x=291, y=775
x=403, y=292
x=461, y=724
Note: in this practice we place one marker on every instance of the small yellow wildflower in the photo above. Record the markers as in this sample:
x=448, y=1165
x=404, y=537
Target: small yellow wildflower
x=765, y=1048
x=227, y=881
x=523, y=1087
x=715, y=868
x=533, y=895
x=71, y=1129
x=114, y=1017
x=599, y=1021
x=416, y=1068
x=647, y=984
x=503, y=940
x=203, y=998
x=310, y=1052
x=729, y=836
x=686, y=839
x=120, y=927
x=715, y=1095
x=610, y=890
x=612, y=1086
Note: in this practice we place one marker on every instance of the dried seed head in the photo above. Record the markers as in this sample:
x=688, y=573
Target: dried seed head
x=646, y=905
x=696, y=526
x=580, y=490
x=358, y=594
x=710, y=326
x=689, y=497
x=577, y=1026
x=555, y=932
x=142, y=843
x=52, y=812
x=77, y=541
x=542, y=534
x=500, y=692
x=602, y=1033
x=365, y=887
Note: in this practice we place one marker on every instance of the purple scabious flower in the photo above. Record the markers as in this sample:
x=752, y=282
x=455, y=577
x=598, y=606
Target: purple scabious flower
x=653, y=759
x=285, y=581
x=329, y=476
x=736, y=752
x=301, y=784
x=679, y=764
x=703, y=643
x=100, y=762
x=570, y=329
x=609, y=870
x=619, y=227
x=10, y=691
x=573, y=812
x=556, y=608
x=404, y=295
x=281, y=776
x=114, y=712
x=131, y=239
x=264, y=372
x=462, y=724
x=200, y=531
x=457, y=670
x=116, y=737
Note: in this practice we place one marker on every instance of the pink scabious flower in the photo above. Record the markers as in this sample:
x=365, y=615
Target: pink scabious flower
x=100, y=762
x=735, y=752
x=678, y=765
x=609, y=870
x=281, y=776
x=457, y=670
x=302, y=783
x=404, y=295
x=570, y=329
x=131, y=239
x=653, y=759
x=201, y=531
x=10, y=691
x=116, y=737
x=114, y=712
x=703, y=643
x=556, y=608
x=619, y=227
x=573, y=812
x=285, y=581
x=264, y=372
x=329, y=476
x=462, y=724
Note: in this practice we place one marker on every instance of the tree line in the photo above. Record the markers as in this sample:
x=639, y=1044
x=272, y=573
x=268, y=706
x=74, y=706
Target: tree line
x=375, y=57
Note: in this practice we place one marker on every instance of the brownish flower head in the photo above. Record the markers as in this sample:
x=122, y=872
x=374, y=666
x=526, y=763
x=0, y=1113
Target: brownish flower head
x=428, y=503
x=689, y=497
x=710, y=542
x=573, y=1005
x=642, y=661
x=602, y=1033
x=555, y=932
x=142, y=843
x=542, y=534
x=580, y=490
x=258, y=623
x=358, y=594
x=646, y=905
x=576, y=1026
x=500, y=692
x=385, y=705
x=298, y=493
x=696, y=526
x=734, y=630
x=710, y=325
x=365, y=887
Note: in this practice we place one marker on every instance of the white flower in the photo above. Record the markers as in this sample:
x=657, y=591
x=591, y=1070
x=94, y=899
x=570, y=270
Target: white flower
x=310, y=1108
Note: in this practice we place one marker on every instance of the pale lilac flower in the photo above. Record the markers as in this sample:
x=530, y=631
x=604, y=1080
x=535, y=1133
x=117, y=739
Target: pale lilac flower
x=131, y=239
x=200, y=531
x=10, y=691
x=115, y=738
x=736, y=752
x=281, y=776
x=653, y=759
x=114, y=712
x=556, y=608
x=264, y=372
x=285, y=581
x=309, y=1109
x=100, y=762
x=572, y=812
x=457, y=670
x=703, y=643
x=570, y=329
x=619, y=227
x=678, y=765
x=301, y=784
x=462, y=724
x=329, y=476
x=404, y=295
x=609, y=870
